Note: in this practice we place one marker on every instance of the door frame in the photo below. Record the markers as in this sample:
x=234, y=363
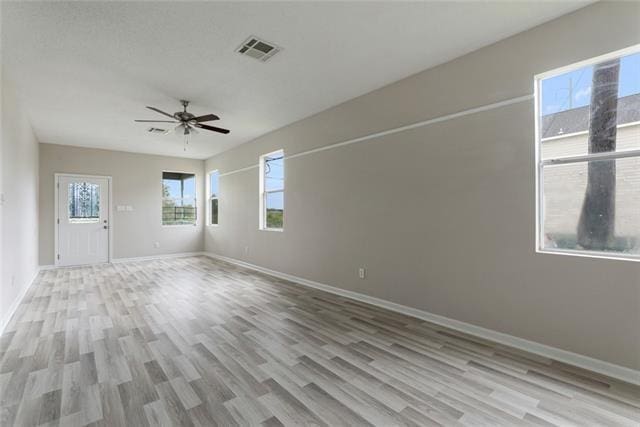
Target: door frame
x=56, y=192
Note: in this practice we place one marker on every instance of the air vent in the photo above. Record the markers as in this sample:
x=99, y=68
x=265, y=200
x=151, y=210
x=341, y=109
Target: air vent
x=258, y=49
x=156, y=130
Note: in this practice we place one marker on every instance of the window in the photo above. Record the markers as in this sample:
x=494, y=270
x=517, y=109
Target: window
x=178, y=198
x=272, y=191
x=588, y=151
x=84, y=202
x=213, y=197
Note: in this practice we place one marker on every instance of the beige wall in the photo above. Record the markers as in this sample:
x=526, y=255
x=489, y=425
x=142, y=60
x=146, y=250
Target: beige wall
x=442, y=216
x=137, y=181
x=19, y=211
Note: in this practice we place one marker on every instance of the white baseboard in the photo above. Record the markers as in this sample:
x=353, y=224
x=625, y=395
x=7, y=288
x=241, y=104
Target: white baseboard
x=159, y=256
x=120, y=260
x=16, y=303
x=139, y=258
x=600, y=366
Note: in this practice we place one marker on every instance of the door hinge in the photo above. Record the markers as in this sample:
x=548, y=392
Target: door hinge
x=58, y=184
x=58, y=256
x=58, y=220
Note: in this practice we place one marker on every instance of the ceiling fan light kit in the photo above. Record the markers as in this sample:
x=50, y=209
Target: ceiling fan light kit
x=187, y=123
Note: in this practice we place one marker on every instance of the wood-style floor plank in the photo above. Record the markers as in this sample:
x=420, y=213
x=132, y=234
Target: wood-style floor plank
x=197, y=342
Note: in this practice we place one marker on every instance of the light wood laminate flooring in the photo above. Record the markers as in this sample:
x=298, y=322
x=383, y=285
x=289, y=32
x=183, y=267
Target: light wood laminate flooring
x=193, y=341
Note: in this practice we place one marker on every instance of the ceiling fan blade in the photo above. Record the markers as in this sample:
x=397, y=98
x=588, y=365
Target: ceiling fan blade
x=213, y=128
x=206, y=118
x=156, y=121
x=161, y=112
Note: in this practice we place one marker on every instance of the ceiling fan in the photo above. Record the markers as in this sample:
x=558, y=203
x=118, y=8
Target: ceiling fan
x=187, y=123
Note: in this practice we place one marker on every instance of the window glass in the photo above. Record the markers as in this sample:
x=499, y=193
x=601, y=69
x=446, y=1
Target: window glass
x=272, y=191
x=178, y=198
x=213, y=184
x=213, y=197
x=569, y=105
x=615, y=225
x=84, y=202
x=275, y=209
x=589, y=151
x=214, y=211
x=274, y=172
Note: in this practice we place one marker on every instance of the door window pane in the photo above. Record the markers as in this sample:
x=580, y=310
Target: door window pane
x=84, y=202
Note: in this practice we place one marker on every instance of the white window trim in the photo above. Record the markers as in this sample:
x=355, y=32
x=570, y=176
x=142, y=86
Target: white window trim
x=195, y=199
x=262, y=225
x=539, y=163
x=210, y=197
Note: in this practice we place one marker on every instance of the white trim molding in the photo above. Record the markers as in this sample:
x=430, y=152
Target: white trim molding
x=599, y=366
x=159, y=256
x=131, y=259
x=391, y=131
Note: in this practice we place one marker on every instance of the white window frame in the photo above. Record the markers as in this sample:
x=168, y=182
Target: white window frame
x=210, y=198
x=195, y=198
x=264, y=193
x=540, y=163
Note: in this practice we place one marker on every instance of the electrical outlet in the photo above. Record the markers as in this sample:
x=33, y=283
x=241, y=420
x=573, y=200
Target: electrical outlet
x=246, y=250
x=156, y=245
x=361, y=272
x=13, y=281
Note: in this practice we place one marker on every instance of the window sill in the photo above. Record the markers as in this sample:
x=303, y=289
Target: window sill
x=589, y=254
x=277, y=230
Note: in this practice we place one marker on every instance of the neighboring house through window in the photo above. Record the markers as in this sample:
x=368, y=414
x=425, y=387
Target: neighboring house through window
x=588, y=150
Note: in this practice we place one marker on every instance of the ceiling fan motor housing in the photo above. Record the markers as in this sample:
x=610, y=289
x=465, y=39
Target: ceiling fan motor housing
x=183, y=116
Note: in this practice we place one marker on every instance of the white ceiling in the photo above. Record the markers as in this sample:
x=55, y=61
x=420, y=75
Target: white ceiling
x=85, y=70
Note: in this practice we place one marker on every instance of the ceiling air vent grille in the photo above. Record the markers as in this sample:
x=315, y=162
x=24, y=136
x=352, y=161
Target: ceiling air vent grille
x=258, y=49
x=156, y=130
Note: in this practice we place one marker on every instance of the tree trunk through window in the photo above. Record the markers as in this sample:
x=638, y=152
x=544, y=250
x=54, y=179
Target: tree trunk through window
x=597, y=219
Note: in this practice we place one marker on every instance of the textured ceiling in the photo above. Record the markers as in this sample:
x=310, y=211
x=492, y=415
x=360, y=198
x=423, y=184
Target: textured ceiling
x=85, y=70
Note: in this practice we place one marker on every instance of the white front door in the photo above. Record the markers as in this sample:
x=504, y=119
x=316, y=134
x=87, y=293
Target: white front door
x=83, y=220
